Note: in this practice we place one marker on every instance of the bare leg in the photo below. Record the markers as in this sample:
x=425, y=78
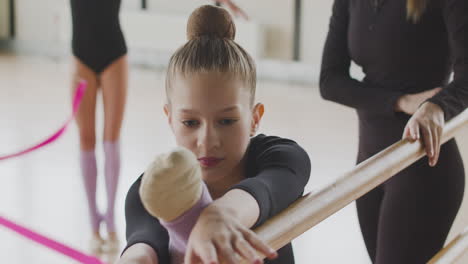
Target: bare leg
x=85, y=120
x=114, y=87
x=86, y=115
x=114, y=82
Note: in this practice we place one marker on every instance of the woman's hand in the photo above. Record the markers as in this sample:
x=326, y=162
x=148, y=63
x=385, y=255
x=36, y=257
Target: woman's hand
x=234, y=8
x=428, y=121
x=218, y=237
x=410, y=103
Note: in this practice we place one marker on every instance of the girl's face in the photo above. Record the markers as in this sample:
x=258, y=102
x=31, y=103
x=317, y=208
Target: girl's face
x=210, y=114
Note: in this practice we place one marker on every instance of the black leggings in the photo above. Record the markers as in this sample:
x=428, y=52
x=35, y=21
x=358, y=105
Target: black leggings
x=407, y=218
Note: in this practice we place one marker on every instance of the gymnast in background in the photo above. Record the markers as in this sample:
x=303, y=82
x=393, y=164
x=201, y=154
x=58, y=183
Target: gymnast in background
x=100, y=58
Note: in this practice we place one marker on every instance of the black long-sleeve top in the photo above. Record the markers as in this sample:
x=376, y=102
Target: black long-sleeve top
x=277, y=170
x=397, y=56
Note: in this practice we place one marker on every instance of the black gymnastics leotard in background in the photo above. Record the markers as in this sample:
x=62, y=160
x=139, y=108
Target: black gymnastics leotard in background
x=406, y=219
x=276, y=169
x=97, y=38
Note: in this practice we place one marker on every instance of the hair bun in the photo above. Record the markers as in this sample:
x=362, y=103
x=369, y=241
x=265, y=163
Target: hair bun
x=210, y=20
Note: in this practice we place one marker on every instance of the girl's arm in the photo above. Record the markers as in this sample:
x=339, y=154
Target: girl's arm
x=139, y=253
x=146, y=237
x=281, y=170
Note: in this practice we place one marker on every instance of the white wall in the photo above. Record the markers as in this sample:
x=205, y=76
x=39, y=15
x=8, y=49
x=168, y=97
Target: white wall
x=37, y=20
x=315, y=17
x=275, y=16
x=44, y=27
x=45, y=24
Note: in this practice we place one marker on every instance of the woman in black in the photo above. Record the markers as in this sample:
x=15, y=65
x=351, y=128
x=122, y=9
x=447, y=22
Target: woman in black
x=210, y=88
x=407, y=51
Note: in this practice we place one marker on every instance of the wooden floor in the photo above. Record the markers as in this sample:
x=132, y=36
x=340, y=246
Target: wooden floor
x=43, y=190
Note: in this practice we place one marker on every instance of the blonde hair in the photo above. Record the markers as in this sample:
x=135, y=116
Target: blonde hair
x=415, y=9
x=211, y=48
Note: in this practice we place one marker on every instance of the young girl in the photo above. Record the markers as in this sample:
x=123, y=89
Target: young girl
x=210, y=89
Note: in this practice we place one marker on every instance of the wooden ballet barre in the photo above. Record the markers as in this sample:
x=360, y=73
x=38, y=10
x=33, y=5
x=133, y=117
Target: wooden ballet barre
x=453, y=251
x=313, y=208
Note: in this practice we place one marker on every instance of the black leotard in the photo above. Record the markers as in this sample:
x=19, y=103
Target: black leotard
x=97, y=38
x=277, y=171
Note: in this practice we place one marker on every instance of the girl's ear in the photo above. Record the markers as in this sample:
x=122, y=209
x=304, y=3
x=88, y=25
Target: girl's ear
x=167, y=111
x=257, y=115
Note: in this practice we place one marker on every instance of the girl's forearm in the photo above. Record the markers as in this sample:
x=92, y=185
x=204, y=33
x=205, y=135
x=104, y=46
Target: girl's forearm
x=139, y=254
x=240, y=204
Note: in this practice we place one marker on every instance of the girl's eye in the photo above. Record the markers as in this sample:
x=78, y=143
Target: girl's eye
x=227, y=122
x=190, y=123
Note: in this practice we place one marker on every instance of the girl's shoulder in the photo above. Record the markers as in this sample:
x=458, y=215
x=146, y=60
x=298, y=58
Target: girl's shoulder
x=266, y=150
x=263, y=142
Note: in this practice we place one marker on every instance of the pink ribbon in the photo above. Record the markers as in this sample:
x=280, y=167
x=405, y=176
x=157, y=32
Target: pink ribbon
x=36, y=237
x=52, y=244
x=76, y=103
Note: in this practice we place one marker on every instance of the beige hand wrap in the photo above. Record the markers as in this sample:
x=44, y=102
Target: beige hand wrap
x=172, y=184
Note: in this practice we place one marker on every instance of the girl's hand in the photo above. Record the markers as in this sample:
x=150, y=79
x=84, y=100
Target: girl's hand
x=428, y=121
x=234, y=8
x=410, y=103
x=218, y=237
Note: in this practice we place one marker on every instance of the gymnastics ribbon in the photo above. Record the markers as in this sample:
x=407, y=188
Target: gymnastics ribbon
x=76, y=103
x=50, y=243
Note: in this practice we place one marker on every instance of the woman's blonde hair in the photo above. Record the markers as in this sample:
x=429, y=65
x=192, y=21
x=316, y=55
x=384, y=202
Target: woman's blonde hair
x=211, y=47
x=415, y=9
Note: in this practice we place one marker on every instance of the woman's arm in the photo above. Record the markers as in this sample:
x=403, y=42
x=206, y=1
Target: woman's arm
x=453, y=99
x=428, y=121
x=336, y=83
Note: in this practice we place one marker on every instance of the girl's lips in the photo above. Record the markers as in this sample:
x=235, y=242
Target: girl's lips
x=209, y=161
